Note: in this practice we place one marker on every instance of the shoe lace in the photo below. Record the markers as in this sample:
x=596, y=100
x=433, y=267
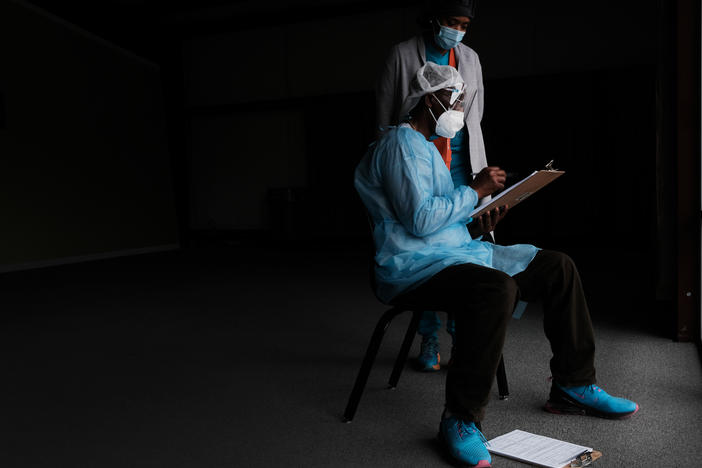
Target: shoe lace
x=592, y=388
x=589, y=389
x=468, y=429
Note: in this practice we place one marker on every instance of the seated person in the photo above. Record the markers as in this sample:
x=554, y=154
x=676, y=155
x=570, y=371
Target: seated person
x=426, y=255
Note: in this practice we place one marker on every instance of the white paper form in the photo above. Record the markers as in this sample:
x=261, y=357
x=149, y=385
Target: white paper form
x=536, y=449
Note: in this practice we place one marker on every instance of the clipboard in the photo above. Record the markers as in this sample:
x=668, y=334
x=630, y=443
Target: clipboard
x=520, y=191
x=542, y=451
x=584, y=459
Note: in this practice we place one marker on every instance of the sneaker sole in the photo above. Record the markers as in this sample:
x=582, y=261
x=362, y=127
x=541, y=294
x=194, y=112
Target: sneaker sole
x=564, y=404
x=481, y=463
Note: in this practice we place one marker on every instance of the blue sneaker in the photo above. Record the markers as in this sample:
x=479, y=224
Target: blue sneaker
x=590, y=400
x=429, y=359
x=465, y=442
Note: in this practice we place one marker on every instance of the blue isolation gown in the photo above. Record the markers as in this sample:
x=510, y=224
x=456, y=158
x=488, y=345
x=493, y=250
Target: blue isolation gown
x=419, y=217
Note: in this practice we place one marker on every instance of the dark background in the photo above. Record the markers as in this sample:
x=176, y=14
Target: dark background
x=261, y=112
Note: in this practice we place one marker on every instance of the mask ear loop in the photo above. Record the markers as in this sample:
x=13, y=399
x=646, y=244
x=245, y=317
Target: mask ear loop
x=432, y=113
x=437, y=100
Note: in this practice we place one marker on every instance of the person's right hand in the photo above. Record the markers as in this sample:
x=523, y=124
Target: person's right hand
x=489, y=180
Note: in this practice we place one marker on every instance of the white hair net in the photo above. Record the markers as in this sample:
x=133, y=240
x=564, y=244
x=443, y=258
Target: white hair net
x=430, y=78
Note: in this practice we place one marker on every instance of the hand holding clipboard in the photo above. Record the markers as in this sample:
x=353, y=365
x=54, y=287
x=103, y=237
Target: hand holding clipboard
x=492, y=177
x=489, y=180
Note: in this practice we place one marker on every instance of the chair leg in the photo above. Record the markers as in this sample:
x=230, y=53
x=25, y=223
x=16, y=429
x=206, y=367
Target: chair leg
x=368, y=361
x=404, y=350
x=502, y=387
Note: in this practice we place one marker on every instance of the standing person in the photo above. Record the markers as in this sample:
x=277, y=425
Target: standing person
x=447, y=22
x=425, y=254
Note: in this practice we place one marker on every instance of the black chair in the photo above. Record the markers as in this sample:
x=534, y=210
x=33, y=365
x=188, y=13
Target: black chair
x=401, y=359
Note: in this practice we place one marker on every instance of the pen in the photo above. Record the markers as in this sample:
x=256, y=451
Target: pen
x=508, y=174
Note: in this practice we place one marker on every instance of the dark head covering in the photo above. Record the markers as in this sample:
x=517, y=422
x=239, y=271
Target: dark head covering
x=453, y=8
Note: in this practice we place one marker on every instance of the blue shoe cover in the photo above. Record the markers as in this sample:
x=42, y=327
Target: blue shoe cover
x=465, y=442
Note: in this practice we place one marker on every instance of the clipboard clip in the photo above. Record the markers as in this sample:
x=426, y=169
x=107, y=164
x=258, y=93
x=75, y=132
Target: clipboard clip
x=549, y=166
x=584, y=459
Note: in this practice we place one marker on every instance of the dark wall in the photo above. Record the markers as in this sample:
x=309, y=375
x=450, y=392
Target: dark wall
x=516, y=38
x=85, y=170
x=315, y=76
x=599, y=126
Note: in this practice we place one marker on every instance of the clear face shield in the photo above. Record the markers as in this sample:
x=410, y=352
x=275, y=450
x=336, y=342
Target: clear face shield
x=456, y=98
x=451, y=121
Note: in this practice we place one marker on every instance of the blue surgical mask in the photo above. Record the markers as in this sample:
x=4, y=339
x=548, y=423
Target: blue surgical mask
x=448, y=38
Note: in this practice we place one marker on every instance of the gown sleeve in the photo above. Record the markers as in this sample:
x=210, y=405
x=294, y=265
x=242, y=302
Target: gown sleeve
x=410, y=188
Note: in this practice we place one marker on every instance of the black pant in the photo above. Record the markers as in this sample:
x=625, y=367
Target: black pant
x=481, y=301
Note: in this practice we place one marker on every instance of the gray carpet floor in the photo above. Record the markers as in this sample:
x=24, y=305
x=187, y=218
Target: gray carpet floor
x=240, y=357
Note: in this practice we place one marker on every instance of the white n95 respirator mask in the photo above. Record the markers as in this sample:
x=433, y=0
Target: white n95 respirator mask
x=448, y=123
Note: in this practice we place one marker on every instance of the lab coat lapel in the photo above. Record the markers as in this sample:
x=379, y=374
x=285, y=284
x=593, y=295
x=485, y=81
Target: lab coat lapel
x=421, y=50
x=471, y=119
